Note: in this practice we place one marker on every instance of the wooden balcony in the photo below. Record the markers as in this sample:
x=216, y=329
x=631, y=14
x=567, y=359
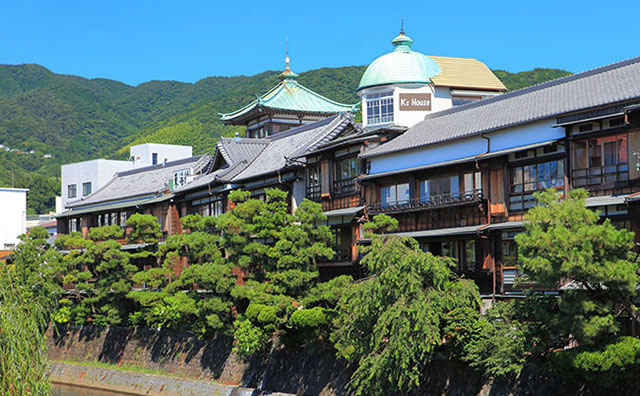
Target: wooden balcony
x=425, y=203
x=344, y=187
x=314, y=192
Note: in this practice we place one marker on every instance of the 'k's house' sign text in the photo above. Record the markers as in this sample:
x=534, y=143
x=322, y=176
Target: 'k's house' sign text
x=415, y=102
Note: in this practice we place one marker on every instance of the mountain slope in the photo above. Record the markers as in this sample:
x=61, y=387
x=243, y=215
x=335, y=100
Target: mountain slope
x=74, y=118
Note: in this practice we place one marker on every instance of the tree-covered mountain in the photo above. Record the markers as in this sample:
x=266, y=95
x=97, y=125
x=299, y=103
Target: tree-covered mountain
x=48, y=119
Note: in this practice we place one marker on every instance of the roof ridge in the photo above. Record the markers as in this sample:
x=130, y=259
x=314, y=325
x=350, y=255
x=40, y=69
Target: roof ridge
x=533, y=88
x=324, y=97
x=254, y=102
x=330, y=127
x=180, y=161
x=301, y=128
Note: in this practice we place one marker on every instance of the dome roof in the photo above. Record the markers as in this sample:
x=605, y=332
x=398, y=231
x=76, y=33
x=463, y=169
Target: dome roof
x=400, y=66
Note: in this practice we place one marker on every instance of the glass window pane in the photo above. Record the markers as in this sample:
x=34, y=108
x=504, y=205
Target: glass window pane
x=403, y=193
x=595, y=154
x=581, y=155
x=622, y=151
x=454, y=186
x=384, y=195
x=610, y=153
x=516, y=179
x=424, y=190
x=478, y=184
x=529, y=174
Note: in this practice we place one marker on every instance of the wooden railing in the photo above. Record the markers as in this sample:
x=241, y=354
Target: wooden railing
x=432, y=202
x=314, y=192
x=343, y=187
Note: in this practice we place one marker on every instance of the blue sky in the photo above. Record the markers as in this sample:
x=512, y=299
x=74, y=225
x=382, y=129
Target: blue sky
x=138, y=40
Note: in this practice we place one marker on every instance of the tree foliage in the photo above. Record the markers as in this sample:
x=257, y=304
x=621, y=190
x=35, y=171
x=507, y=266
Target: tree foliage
x=404, y=301
x=565, y=244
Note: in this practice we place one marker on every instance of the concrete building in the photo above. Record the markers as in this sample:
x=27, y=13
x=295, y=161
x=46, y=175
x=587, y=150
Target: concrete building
x=13, y=212
x=403, y=86
x=81, y=179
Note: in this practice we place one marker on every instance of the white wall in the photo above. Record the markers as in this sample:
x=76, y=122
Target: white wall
x=100, y=171
x=143, y=153
x=440, y=100
x=13, y=215
x=97, y=172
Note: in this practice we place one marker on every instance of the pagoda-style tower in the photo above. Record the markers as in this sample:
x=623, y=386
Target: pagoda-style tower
x=285, y=106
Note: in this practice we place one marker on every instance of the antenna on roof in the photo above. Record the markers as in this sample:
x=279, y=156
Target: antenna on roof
x=402, y=24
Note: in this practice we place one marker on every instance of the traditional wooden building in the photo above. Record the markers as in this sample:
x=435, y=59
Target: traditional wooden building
x=287, y=105
x=461, y=181
x=147, y=190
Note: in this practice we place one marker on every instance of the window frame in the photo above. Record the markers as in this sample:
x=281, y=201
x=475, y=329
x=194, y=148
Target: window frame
x=380, y=107
x=74, y=188
x=593, y=167
x=394, y=188
x=521, y=191
x=84, y=188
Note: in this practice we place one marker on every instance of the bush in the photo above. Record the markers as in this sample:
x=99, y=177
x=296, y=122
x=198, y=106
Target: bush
x=249, y=339
x=614, y=365
x=309, y=319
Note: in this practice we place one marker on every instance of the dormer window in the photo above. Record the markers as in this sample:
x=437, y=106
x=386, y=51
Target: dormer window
x=380, y=108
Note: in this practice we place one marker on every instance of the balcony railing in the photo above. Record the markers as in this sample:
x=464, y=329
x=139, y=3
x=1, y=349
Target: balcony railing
x=314, y=192
x=342, y=187
x=433, y=202
x=597, y=175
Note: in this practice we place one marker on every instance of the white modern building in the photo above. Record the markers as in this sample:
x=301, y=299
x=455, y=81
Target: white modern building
x=13, y=214
x=404, y=86
x=81, y=179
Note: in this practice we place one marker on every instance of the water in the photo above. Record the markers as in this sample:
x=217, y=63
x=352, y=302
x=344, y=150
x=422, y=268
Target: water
x=66, y=390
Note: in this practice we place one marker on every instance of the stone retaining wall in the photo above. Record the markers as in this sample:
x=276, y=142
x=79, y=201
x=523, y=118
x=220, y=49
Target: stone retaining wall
x=143, y=384
x=313, y=370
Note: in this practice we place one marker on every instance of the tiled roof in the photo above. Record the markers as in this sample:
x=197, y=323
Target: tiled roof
x=615, y=83
x=251, y=158
x=137, y=182
x=288, y=95
x=465, y=73
x=290, y=144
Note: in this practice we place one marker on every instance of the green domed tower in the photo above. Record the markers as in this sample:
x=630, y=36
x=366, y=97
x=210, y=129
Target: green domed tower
x=403, y=86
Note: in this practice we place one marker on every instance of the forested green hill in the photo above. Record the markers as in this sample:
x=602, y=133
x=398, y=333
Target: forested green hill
x=74, y=118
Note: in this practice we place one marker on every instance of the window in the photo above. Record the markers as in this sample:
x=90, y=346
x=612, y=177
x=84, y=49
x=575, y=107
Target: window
x=534, y=177
x=396, y=194
x=123, y=219
x=72, y=191
x=154, y=158
x=213, y=208
x=346, y=172
x=457, y=100
x=472, y=183
x=380, y=108
x=601, y=160
x=114, y=218
x=86, y=189
x=348, y=168
x=615, y=122
x=314, y=183
x=440, y=188
x=9, y=246
x=464, y=251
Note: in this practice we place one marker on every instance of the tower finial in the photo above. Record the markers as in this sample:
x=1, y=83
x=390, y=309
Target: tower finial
x=402, y=24
x=286, y=58
x=287, y=73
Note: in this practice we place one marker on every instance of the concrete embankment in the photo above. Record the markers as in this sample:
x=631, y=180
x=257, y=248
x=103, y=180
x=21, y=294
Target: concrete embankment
x=144, y=384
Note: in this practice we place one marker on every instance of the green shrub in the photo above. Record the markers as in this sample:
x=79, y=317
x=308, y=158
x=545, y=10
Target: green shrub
x=614, y=365
x=249, y=339
x=310, y=319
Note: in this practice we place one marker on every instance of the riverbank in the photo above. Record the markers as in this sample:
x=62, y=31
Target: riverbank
x=134, y=383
